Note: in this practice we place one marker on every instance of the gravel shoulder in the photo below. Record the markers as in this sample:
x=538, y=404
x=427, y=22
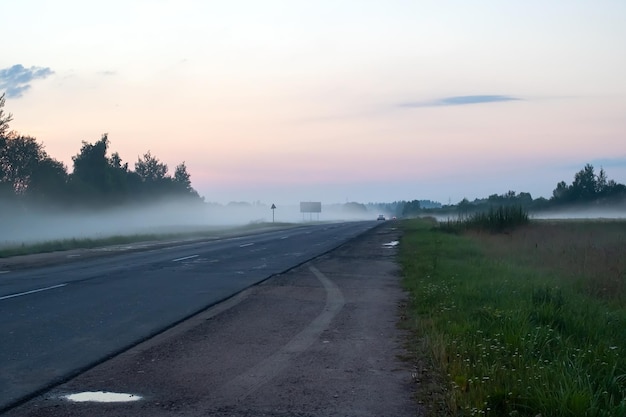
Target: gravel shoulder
x=319, y=340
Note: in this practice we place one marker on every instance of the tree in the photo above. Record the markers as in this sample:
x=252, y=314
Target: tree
x=150, y=169
x=19, y=157
x=182, y=177
x=90, y=173
x=601, y=183
x=584, y=186
x=182, y=181
x=25, y=167
x=411, y=208
x=464, y=207
x=561, y=192
x=4, y=120
x=48, y=181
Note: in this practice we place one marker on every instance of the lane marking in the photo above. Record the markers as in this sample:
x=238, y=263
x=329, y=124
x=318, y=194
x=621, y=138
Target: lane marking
x=19, y=294
x=254, y=378
x=185, y=258
x=284, y=237
x=245, y=245
x=4, y=272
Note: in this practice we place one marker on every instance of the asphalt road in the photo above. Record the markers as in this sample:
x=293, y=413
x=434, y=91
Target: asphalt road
x=59, y=320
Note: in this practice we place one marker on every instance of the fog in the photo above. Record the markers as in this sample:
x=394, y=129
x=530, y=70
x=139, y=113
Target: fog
x=35, y=224
x=615, y=212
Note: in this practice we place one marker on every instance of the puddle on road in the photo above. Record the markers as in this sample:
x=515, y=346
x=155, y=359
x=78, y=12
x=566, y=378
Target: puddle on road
x=101, y=397
x=391, y=244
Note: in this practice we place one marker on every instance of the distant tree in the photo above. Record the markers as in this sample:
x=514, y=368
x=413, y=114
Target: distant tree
x=27, y=170
x=182, y=181
x=524, y=199
x=355, y=207
x=411, y=208
x=601, y=183
x=561, y=192
x=91, y=176
x=587, y=187
x=182, y=177
x=150, y=169
x=584, y=186
x=19, y=157
x=4, y=119
x=48, y=182
x=464, y=207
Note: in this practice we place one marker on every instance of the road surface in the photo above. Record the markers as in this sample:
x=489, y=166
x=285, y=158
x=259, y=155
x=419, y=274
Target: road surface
x=61, y=319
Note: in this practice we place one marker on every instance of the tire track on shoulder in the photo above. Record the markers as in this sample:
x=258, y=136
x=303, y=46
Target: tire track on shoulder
x=247, y=383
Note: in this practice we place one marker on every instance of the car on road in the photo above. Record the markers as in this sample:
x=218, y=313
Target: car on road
x=381, y=217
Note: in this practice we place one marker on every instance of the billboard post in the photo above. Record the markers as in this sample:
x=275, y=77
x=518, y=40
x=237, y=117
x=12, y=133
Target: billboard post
x=311, y=207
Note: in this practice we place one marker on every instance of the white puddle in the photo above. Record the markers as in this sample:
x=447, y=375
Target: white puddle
x=391, y=244
x=102, y=397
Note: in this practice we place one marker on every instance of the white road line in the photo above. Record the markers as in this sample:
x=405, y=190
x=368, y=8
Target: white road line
x=32, y=291
x=284, y=237
x=185, y=258
x=4, y=272
x=246, y=244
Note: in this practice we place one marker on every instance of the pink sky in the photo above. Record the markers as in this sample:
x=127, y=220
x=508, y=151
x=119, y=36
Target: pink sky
x=283, y=101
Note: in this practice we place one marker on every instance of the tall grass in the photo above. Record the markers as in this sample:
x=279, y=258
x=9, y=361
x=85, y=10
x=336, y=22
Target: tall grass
x=511, y=339
x=496, y=219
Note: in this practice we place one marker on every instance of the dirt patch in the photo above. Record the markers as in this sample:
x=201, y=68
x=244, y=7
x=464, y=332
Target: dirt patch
x=320, y=340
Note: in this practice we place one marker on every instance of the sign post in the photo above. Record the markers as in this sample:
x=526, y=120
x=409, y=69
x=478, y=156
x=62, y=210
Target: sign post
x=273, y=208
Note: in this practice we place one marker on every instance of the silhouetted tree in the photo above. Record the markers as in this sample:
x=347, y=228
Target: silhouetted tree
x=587, y=187
x=411, y=208
x=48, y=182
x=22, y=160
x=464, y=207
x=150, y=169
x=584, y=186
x=91, y=176
x=4, y=119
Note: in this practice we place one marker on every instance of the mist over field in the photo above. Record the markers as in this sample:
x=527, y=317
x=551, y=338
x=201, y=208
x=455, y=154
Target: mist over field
x=611, y=212
x=34, y=224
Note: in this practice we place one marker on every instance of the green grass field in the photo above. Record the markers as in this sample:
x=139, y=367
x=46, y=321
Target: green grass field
x=524, y=323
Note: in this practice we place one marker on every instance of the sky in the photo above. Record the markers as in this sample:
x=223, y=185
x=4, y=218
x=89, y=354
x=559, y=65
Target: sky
x=327, y=100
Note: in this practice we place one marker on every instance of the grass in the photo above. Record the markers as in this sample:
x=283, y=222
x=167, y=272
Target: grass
x=514, y=323
x=496, y=219
x=89, y=243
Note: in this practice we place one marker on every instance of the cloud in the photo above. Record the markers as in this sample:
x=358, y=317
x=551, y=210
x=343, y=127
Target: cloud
x=460, y=101
x=15, y=80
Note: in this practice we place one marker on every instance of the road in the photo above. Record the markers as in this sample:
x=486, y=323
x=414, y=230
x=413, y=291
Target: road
x=61, y=319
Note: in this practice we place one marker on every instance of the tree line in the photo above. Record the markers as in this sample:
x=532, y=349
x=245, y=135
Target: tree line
x=587, y=189
x=29, y=175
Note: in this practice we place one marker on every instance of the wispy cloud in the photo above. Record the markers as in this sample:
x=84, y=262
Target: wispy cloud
x=460, y=101
x=15, y=80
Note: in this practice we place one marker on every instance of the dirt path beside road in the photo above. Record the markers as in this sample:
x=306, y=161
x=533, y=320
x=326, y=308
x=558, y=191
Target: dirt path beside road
x=319, y=340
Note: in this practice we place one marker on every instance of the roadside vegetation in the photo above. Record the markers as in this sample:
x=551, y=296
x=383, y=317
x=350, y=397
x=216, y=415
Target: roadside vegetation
x=523, y=323
x=495, y=219
x=90, y=243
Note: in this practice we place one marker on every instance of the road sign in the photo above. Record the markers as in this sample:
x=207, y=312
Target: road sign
x=273, y=208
